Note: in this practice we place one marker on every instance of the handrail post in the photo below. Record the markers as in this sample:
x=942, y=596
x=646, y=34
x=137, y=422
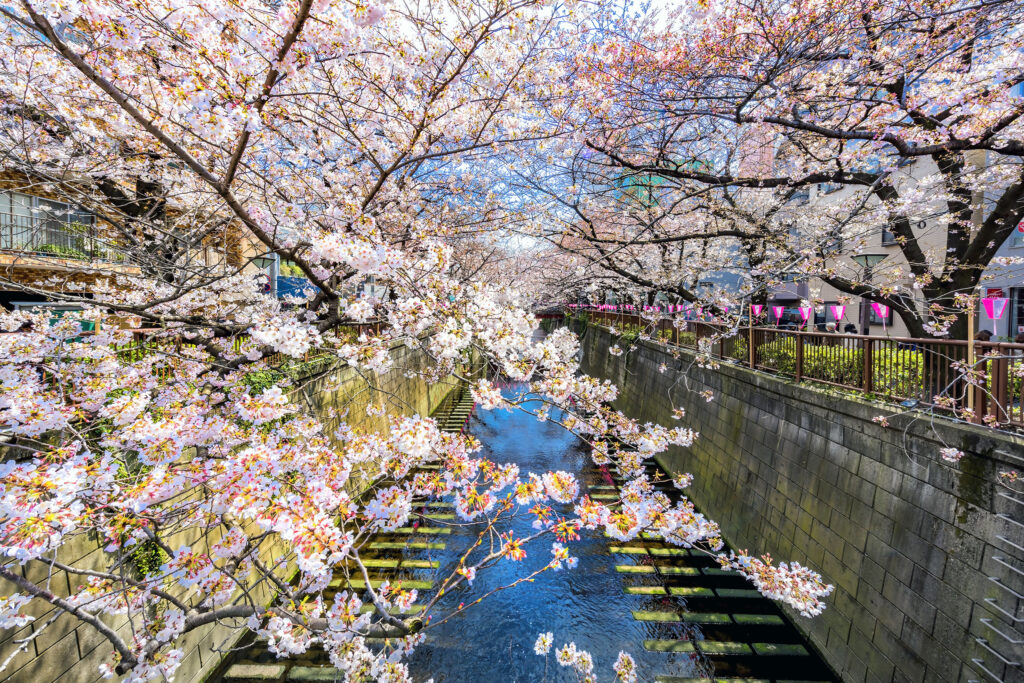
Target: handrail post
x=980, y=401
x=1000, y=383
x=868, y=371
x=750, y=344
x=799, y=356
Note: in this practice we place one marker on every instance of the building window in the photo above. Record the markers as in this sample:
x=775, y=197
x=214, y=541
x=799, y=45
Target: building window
x=888, y=237
x=876, y=320
x=1016, y=312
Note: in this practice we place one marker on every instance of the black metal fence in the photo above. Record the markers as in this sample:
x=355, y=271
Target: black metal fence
x=47, y=236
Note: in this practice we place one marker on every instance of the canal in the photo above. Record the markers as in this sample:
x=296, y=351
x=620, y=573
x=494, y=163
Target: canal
x=673, y=610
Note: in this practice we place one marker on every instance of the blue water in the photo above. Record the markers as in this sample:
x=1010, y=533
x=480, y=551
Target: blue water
x=585, y=605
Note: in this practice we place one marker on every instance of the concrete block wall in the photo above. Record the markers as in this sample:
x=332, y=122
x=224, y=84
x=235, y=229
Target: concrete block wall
x=910, y=542
x=70, y=651
x=403, y=390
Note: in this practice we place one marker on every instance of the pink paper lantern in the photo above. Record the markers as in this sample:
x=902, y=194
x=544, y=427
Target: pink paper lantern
x=778, y=311
x=838, y=312
x=882, y=311
x=994, y=307
x=805, y=313
x=755, y=309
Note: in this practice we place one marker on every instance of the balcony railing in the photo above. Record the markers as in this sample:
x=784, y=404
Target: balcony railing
x=49, y=237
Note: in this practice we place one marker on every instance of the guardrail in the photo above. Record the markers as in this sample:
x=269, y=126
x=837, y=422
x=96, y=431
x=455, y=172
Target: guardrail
x=935, y=373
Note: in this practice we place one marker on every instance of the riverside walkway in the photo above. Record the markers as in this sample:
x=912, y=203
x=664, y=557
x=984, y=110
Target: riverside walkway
x=673, y=609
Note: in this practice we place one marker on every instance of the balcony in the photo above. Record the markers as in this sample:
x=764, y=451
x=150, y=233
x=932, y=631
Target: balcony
x=38, y=239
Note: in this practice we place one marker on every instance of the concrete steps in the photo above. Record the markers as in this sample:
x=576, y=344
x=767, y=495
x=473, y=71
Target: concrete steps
x=695, y=608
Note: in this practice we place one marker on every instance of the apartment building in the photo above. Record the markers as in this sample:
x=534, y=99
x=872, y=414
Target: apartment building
x=888, y=266
x=889, y=270
x=1006, y=282
x=48, y=242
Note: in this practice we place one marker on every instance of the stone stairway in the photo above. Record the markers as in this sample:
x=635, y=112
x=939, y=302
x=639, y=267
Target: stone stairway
x=404, y=554
x=694, y=608
x=453, y=414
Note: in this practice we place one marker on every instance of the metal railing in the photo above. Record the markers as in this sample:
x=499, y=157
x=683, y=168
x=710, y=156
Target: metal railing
x=932, y=373
x=48, y=236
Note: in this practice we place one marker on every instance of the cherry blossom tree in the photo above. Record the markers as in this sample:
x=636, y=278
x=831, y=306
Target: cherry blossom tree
x=911, y=109
x=645, y=235
x=346, y=138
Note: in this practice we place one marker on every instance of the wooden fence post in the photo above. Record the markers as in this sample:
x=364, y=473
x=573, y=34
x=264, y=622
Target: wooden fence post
x=750, y=345
x=1000, y=376
x=868, y=370
x=799, y=356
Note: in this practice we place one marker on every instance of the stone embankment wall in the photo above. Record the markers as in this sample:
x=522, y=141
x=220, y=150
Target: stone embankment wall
x=70, y=651
x=367, y=401
x=909, y=541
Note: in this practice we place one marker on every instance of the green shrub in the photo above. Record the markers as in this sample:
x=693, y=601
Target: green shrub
x=739, y=349
x=148, y=557
x=895, y=371
x=629, y=335
x=779, y=354
x=261, y=380
x=62, y=251
x=898, y=372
